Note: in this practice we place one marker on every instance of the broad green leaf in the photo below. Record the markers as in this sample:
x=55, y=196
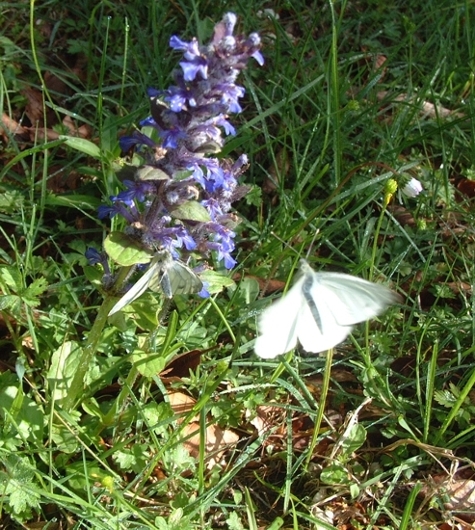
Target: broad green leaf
x=354, y=440
x=214, y=281
x=64, y=364
x=182, y=175
x=151, y=173
x=77, y=471
x=148, y=365
x=65, y=440
x=19, y=411
x=191, y=211
x=125, y=250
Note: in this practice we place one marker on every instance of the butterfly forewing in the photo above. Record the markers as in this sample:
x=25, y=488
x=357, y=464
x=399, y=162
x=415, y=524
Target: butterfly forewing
x=138, y=288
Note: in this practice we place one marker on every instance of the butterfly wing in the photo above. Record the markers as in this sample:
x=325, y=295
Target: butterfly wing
x=139, y=287
x=351, y=299
x=277, y=324
x=178, y=278
x=171, y=276
x=318, y=328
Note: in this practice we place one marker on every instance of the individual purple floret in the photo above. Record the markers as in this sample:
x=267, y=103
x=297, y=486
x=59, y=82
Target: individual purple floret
x=181, y=198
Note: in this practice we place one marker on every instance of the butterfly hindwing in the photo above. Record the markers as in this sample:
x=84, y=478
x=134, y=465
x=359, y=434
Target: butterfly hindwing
x=178, y=278
x=358, y=299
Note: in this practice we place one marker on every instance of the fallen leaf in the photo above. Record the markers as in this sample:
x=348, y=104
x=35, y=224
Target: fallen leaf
x=216, y=443
x=12, y=126
x=461, y=495
x=467, y=187
x=182, y=404
x=181, y=365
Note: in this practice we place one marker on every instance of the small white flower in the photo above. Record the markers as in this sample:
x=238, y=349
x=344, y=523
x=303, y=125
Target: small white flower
x=412, y=188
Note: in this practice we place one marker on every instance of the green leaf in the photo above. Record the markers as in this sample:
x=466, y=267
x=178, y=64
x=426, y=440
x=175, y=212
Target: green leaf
x=9, y=301
x=248, y=291
x=33, y=291
x=354, y=439
x=11, y=201
x=182, y=175
x=37, y=288
x=65, y=439
x=191, y=211
x=12, y=278
x=215, y=281
x=82, y=474
x=82, y=145
x=335, y=473
x=234, y=522
x=125, y=250
x=83, y=202
x=18, y=412
x=151, y=173
x=64, y=364
x=18, y=487
x=126, y=461
x=276, y=524
x=354, y=491
x=148, y=365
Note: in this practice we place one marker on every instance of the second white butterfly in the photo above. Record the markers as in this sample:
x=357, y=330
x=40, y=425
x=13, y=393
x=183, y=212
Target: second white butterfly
x=319, y=311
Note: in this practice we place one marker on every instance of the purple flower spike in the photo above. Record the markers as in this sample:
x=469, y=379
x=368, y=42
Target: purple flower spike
x=180, y=200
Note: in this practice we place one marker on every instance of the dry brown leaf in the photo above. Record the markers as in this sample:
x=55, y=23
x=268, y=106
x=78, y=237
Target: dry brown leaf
x=182, y=404
x=460, y=287
x=34, y=106
x=265, y=286
x=84, y=131
x=40, y=133
x=181, y=365
x=466, y=187
x=267, y=417
x=10, y=125
x=378, y=61
x=402, y=215
x=462, y=498
x=216, y=443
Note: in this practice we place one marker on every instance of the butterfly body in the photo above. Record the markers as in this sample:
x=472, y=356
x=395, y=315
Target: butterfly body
x=319, y=311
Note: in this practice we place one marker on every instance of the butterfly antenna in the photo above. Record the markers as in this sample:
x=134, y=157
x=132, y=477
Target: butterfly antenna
x=312, y=243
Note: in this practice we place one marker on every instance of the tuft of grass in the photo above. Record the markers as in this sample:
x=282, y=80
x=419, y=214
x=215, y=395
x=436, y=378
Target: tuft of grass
x=352, y=96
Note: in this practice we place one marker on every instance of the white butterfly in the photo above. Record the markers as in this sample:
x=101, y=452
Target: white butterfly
x=165, y=273
x=319, y=311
